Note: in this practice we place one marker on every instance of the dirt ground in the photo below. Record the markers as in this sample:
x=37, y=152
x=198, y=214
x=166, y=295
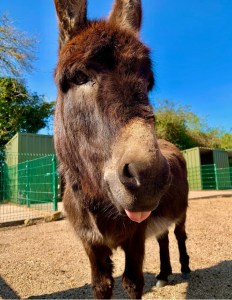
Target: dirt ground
x=47, y=261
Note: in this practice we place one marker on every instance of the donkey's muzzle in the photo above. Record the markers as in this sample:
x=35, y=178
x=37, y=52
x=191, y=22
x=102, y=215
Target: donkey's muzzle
x=137, y=174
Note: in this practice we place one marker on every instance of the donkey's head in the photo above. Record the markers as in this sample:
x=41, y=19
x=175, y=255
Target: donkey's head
x=104, y=125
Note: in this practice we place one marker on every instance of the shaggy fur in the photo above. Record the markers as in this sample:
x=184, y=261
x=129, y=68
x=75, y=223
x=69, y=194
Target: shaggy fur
x=113, y=165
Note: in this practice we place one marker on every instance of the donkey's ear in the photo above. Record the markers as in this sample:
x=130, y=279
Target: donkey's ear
x=72, y=18
x=127, y=14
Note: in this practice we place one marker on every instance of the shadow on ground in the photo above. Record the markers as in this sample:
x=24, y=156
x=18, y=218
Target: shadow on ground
x=214, y=282
x=6, y=292
x=209, y=283
x=85, y=292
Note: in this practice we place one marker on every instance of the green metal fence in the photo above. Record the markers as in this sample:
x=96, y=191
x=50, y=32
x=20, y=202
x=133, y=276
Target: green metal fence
x=32, y=185
x=210, y=177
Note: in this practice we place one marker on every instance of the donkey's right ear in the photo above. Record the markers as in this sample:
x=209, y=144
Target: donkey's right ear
x=127, y=14
x=72, y=18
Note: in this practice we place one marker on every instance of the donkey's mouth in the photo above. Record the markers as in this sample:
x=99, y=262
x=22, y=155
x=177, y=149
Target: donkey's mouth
x=138, y=216
x=137, y=209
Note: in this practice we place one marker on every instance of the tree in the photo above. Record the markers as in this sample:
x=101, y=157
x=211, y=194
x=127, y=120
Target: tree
x=179, y=125
x=20, y=111
x=172, y=124
x=16, y=49
x=226, y=140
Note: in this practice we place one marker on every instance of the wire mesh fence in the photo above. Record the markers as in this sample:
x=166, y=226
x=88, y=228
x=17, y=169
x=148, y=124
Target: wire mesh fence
x=29, y=186
x=210, y=177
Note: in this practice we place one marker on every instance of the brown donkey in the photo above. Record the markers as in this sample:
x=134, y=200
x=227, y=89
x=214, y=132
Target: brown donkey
x=121, y=182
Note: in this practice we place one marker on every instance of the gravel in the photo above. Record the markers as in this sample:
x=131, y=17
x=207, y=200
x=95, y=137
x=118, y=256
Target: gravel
x=47, y=261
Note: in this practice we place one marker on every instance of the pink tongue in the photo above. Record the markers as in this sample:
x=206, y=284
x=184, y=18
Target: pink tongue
x=138, y=216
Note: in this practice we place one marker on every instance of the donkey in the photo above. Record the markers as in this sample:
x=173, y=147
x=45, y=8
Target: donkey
x=121, y=182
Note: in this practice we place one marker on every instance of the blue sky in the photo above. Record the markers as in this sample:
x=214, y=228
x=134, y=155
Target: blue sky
x=191, y=43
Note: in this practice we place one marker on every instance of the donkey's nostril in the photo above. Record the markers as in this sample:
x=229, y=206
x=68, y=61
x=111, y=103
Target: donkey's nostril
x=129, y=176
x=127, y=172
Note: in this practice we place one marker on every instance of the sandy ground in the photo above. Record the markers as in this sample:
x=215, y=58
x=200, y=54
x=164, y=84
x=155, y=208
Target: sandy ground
x=47, y=261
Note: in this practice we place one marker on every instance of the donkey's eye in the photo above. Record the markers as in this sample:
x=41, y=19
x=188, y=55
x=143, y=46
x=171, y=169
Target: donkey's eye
x=75, y=78
x=79, y=78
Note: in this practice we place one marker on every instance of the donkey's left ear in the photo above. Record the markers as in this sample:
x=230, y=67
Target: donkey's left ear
x=127, y=14
x=72, y=18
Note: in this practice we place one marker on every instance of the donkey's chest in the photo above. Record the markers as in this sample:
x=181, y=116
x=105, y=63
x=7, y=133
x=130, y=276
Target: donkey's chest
x=158, y=226
x=116, y=232
x=102, y=228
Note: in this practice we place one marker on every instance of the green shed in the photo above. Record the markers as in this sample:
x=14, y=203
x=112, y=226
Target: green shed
x=28, y=146
x=193, y=160
x=208, y=168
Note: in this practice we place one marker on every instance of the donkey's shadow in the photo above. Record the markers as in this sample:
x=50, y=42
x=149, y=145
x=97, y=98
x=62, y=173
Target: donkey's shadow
x=214, y=282
x=211, y=283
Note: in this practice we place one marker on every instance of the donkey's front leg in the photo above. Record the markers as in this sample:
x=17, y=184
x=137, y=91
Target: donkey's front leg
x=181, y=237
x=101, y=270
x=165, y=265
x=133, y=280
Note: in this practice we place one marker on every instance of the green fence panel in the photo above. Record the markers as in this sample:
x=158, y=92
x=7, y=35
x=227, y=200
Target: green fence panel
x=1, y=183
x=35, y=182
x=223, y=177
x=8, y=183
x=210, y=177
x=30, y=182
x=194, y=178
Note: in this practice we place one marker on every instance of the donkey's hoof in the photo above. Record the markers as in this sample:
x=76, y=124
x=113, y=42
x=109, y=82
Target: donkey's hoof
x=161, y=283
x=185, y=276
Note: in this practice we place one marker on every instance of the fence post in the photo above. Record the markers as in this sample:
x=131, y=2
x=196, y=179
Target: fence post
x=5, y=187
x=216, y=177
x=54, y=183
x=27, y=185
